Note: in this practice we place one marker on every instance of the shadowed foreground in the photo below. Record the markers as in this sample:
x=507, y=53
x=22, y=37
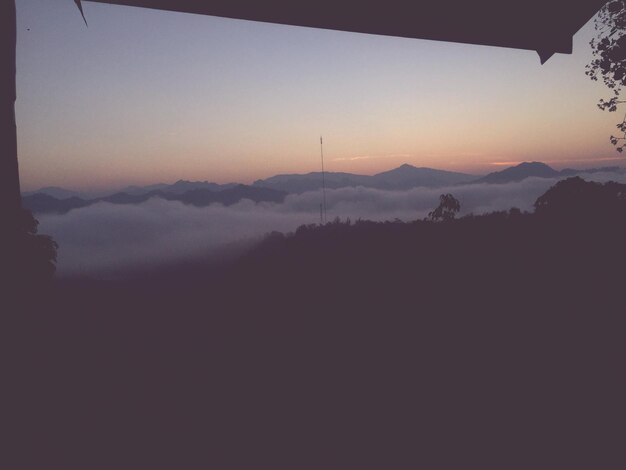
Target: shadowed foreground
x=485, y=342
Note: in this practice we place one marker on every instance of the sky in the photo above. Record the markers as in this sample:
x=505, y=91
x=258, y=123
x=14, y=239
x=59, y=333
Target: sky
x=142, y=96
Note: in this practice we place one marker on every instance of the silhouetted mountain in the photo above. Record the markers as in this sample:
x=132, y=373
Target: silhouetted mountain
x=137, y=190
x=403, y=177
x=519, y=172
x=300, y=183
x=539, y=170
x=41, y=203
x=54, y=191
x=124, y=198
x=179, y=187
x=204, y=197
x=408, y=176
x=588, y=171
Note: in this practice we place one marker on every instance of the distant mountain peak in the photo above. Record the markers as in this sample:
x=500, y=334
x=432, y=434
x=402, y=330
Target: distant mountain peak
x=405, y=176
x=54, y=191
x=520, y=172
x=533, y=165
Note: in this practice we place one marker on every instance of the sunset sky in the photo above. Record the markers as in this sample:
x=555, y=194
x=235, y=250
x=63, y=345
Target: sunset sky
x=142, y=96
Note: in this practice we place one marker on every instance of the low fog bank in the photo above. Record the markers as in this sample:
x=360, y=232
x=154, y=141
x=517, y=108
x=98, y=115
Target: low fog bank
x=107, y=241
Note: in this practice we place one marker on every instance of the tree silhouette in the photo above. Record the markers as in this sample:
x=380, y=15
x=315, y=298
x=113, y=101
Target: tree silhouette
x=584, y=200
x=32, y=257
x=447, y=209
x=609, y=59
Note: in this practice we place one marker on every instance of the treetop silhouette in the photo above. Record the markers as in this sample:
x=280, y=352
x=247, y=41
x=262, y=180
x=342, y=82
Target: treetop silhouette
x=447, y=209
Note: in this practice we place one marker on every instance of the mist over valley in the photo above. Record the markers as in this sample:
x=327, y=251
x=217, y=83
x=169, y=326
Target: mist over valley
x=149, y=227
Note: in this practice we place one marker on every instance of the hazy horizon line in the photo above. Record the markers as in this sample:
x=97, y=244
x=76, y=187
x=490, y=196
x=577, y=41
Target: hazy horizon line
x=495, y=166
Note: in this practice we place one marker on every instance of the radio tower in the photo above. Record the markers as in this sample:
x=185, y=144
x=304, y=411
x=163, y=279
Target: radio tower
x=323, y=180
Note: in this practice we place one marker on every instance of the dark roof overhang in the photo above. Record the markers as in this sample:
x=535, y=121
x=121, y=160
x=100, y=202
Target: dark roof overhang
x=545, y=26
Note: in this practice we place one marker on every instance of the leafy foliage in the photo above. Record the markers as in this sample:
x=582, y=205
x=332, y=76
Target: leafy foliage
x=32, y=256
x=609, y=59
x=580, y=199
x=447, y=209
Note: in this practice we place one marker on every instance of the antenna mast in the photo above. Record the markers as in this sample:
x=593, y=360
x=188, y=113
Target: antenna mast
x=323, y=179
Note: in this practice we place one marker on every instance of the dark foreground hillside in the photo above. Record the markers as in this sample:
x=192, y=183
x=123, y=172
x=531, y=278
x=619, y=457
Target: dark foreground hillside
x=486, y=342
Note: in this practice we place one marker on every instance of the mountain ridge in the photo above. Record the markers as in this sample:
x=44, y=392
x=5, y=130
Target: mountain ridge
x=537, y=170
x=404, y=177
x=41, y=203
x=519, y=172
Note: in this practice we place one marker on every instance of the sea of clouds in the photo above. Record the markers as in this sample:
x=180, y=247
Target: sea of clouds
x=105, y=240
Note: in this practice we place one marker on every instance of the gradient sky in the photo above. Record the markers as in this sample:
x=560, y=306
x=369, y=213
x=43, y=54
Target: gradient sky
x=142, y=96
